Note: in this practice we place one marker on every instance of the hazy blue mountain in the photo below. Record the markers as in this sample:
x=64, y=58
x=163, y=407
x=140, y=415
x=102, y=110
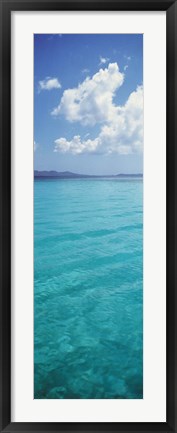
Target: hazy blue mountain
x=70, y=175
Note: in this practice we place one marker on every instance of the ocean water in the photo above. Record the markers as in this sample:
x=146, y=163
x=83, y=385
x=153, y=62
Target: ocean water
x=88, y=289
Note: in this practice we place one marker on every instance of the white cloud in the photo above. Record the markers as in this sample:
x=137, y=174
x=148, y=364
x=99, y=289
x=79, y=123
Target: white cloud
x=103, y=60
x=123, y=135
x=92, y=101
x=125, y=67
x=76, y=146
x=121, y=127
x=49, y=84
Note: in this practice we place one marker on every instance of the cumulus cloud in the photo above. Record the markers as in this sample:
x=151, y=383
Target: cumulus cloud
x=123, y=135
x=49, y=84
x=92, y=101
x=76, y=145
x=121, y=126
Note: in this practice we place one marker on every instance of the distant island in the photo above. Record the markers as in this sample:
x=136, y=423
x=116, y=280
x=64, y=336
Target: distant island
x=69, y=175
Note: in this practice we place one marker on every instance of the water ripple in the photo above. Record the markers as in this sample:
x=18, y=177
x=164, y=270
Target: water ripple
x=88, y=289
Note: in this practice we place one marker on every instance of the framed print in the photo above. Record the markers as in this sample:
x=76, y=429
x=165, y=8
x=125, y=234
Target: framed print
x=88, y=221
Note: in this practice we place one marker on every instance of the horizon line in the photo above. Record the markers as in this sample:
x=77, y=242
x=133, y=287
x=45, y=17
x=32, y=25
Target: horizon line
x=67, y=172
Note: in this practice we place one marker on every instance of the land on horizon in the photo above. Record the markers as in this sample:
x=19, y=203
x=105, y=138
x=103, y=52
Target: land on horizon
x=70, y=175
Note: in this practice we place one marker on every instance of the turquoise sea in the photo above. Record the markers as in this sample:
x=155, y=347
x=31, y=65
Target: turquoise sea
x=88, y=289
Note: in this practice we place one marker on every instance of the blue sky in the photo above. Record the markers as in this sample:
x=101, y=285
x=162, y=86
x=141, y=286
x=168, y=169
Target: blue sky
x=88, y=103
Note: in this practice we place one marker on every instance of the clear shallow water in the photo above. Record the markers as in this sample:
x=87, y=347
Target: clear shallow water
x=88, y=289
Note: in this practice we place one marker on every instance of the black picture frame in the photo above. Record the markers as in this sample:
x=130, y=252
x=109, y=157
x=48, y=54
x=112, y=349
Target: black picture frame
x=6, y=7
